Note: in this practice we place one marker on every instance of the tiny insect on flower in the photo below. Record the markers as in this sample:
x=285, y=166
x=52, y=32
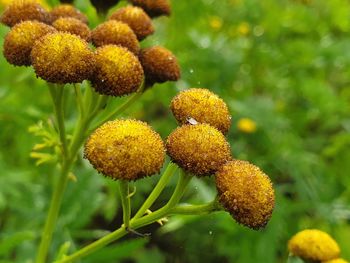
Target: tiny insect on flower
x=73, y=26
x=160, y=65
x=116, y=33
x=313, y=244
x=137, y=19
x=67, y=10
x=20, y=40
x=199, y=149
x=246, y=193
x=202, y=105
x=62, y=58
x=22, y=10
x=125, y=149
x=154, y=8
x=118, y=71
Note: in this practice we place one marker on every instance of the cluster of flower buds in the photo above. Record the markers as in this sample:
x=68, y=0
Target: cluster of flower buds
x=130, y=150
x=313, y=245
x=57, y=44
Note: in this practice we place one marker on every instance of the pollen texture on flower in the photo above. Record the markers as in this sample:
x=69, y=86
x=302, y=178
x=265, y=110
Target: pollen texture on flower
x=20, y=40
x=125, y=149
x=23, y=10
x=160, y=65
x=200, y=149
x=136, y=18
x=203, y=106
x=73, y=26
x=67, y=10
x=116, y=33
x=62, y=58
x=118, y=71
x=246, y=193
x=154, y=8
x=313, y=244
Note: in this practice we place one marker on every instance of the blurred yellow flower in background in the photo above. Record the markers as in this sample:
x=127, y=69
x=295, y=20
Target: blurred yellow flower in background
x=246, y=125
x=215, y=22
x=243, y=29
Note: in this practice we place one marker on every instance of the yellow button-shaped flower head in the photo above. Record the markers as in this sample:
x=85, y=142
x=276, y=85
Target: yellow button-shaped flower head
x=23, y=10
x=154, y=8
x=314, y=245
x=203, y=106
x=246, y=193
x=125, y=149
x=160, y=65
x=246, y=125
x=200, y=149
x=118, y=71
x=73, y=26
x=20, y=40
x=116, y=33
x=67, y=10
x=62, y=58
x=338, y=260
x=137, y=19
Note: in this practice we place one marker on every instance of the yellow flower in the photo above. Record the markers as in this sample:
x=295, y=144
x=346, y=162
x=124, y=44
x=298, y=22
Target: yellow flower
x=73, y=26
x=67, y=10
x=313, y=244
x=125, y=149
x=203, y=106
x=200, y=149
x=246, y=193
x=246, y=125
x=118, y=71
x=154, y=8
x=136, y=18
x=62, y=58
x=243, y=29
x=215, y=22
x=4, y=3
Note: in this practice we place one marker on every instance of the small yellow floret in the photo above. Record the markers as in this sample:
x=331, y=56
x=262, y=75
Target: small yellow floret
x=67, y=10
x=246, y=125
x=215, y=23
x=62, y=58
x=338, y=260
x=118, y=71
x=125, y=149
x=73, y=26
x=313, y=244
x=200, y=149
x=154, y=8
x=203, y=106
x=246, y=193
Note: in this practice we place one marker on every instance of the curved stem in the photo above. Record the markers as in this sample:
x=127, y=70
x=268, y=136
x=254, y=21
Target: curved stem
x=196, y=209
x=169, y=171
x=124, y=194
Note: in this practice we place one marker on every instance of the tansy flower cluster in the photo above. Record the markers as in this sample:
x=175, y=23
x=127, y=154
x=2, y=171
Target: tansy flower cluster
x=63, y=49
x=316, y=246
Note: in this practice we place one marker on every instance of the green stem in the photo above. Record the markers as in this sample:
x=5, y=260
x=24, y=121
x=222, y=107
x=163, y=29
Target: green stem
x=57, y=94
x=79, y=99
x=124, y=194
x=169, y=171
x=134, y=224
x=53, y=214
x=196, y=209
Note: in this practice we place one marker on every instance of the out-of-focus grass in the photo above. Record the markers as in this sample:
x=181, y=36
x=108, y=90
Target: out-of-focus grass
x=284, y=64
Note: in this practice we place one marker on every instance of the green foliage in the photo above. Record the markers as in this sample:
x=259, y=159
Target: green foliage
x=282, y=63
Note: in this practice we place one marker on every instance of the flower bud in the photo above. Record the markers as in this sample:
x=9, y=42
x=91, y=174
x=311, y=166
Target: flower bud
x=62, y=58
x=125, y=149
x=203, y=106
x=199, y=149
x=246, y=193
x=73, y=26
x=20, y=40
x=116, y=33
x=118, y=71
x=67, y=10
x=313, y=245
x=160, y=65
x=23, y=10
x=154, y=8
x=136, y=18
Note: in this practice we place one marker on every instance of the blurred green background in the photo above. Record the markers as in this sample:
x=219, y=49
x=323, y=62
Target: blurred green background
x=283, y=64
